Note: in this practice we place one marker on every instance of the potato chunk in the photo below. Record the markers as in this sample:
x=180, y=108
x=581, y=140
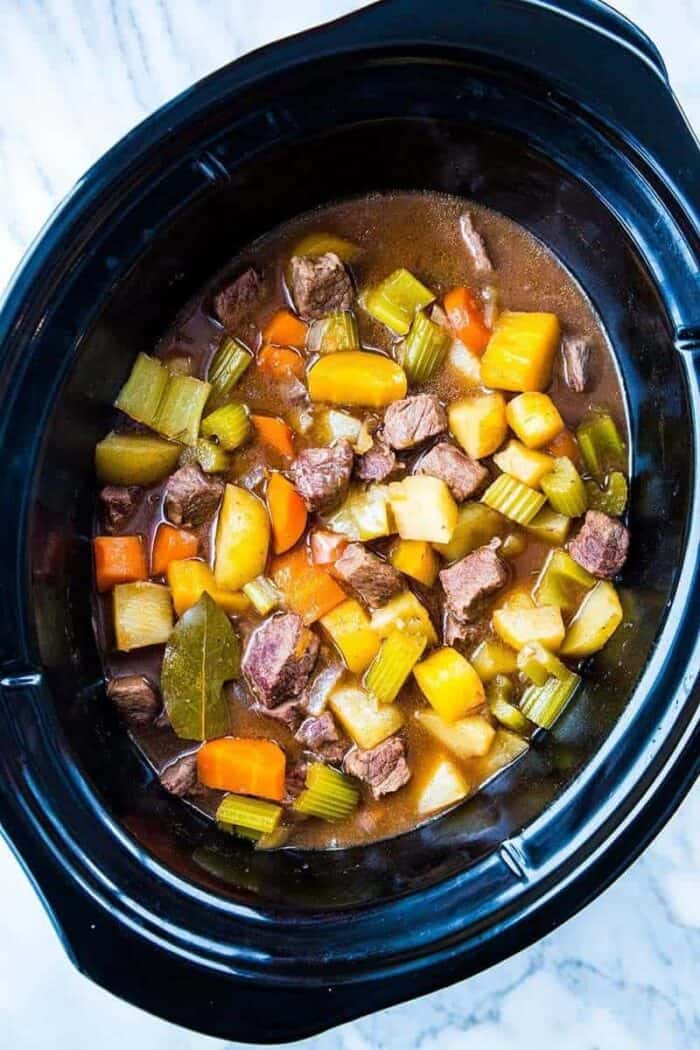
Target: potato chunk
x=423, y=509
x=349, y=628
x=469, y=737
x=479, y=423
x=365, y=720
x=535, y=418
x=242, y=539
x=520, y=353
x=518, y=626
x=597, y=619
x=444, y=786
x=449, y=683
x=523, y=463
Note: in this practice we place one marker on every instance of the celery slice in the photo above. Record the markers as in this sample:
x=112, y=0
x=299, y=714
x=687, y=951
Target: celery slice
x=396, y=299
x=514, y=544
x=141, y=395
x=538, y=664
x=211, y=458
x=612, y=497
x=255, y=815
x=392, y=665
x=181, y=407
x=328, y=794
x=229, y=364
x=550, y=526
x=424, y=349
x=564, y=489
x=600, y=443
x=562, y=582
x=338, y=331
x=492, y=659
x=498, y=698
x=476, y=525
x=134, y=459
x=543, y=704
x=263, y=594
x=229, y=424
x=511, y=498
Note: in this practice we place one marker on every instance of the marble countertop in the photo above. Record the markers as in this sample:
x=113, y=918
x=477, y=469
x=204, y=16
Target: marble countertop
x=75, y=75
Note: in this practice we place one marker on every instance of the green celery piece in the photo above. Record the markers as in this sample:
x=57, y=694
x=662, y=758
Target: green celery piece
x=229, y=425
x=263, y=594
x=612, y=497
x=398, y=655
x=600, y=443
x=537, y=663
x=396, y=299
x=141, y=395
x=564, y=489
x=339, y=331
x=328, y=794
x=257, y=816
x=230, y=362
x=424, y=349
x=180, y=411
x=511, y=498
x=550, y=526
x=562, y=582
x=543, y=704
x=499, y=694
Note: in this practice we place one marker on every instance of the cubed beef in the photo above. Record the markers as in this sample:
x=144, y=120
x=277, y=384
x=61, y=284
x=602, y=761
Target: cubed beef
x=237, y=298
x=322, y=475
x=576, y=362
x=279, y=658
x=601, y=545
x=475, y=244
x=134, y=698
x=294, y=782
x=180, y=777
x=415, y=419
x=384, y=768
x=373, y=579
x=191, y=496
x=118, y=504
x=471, y=579
x=377, y=464
x=463, y=475
x=320, y=285
x=320, y=736
x=459, y=632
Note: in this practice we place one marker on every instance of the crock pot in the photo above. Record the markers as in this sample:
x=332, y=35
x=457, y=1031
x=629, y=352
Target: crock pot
x=557, y=114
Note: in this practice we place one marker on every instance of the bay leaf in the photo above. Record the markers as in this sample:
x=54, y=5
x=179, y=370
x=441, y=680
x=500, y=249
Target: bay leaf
x=201, y=654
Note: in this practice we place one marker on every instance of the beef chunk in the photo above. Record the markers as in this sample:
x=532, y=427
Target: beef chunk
x=463, y=475
x=295, y=782
x=374, y=580
x=377, y=463
x=475, y=244
x=134, y=698
x=576, y=360
x=471, y=579
x=320, y=736
x=320, y=285
x=233, y=301
x=322, y=475
x=601, y=545
x=279, y=658
x=118, y=504
x=180, y=777
x=384, y=768
x=191, y=496
x=458, y=632
x=415, y=419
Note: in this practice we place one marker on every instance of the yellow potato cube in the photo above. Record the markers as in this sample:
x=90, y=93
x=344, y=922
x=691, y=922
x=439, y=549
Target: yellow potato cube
x=189, y=578
x=349, y=628
x=535, y=418
x=491, y=657
x=449, y=683
x=242, y=539
x=523, y=463
x=403, y=613
x=357, y=377
x=598, y=617
x=143, y=615
x=444, y=786
x=520, y=353
x=423, y=509
x=417, y=559
x=479, y=423
x=518, y=626
x=364, y=720
x=469, y=737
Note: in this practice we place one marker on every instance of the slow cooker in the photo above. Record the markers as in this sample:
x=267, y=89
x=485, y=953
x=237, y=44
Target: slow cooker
x=558, y=114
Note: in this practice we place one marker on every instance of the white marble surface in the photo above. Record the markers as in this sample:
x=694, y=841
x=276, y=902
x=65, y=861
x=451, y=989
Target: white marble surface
x=74, y=76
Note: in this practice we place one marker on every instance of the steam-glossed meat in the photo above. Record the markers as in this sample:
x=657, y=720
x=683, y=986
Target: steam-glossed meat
x=192, y=497
x=322, y=475
x=373, y=579
x=320, y=285
x=319, y=735
x=576, y=362
x=601, y=545
x=135, y=699
x=279, y=658
x=180, y=777
x=473, y=578
x=237, y=298
x=463, y=475
x=384, y=768
x=377, y=464
x=415, y=419
x=118, y=505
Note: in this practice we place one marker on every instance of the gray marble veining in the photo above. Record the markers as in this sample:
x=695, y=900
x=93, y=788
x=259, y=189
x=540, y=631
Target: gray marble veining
x=75, y=75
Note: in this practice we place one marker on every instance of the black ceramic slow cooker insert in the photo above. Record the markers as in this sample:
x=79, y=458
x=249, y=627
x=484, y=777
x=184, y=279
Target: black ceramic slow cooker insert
x=560, y=116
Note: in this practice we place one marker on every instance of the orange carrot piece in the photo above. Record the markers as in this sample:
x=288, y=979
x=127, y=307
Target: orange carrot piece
x=119, y=559
x=466, y=319
x=171, y=544
x=309, y=590
x=275, y=433
x=280, y=361
x=565, y=444
x=327, y=546
x=248, y=767
x=287, y=512
x=285, y=329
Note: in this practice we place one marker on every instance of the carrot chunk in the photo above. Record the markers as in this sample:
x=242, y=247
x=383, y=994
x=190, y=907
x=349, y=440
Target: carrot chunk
x=119, y=559
x=248, y=767
x=280, y=361
x=275, y=433
x=285, y=329
x=171, y=544
x=287, y=512
x=309, y=590
x=466, y=319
